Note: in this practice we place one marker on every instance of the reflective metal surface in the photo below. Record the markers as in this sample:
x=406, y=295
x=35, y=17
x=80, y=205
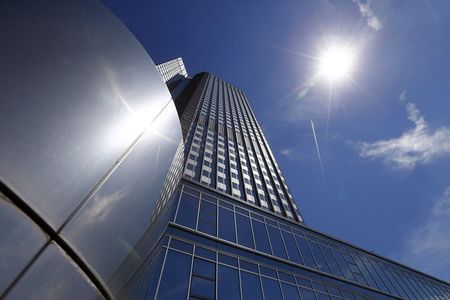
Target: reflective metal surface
x=54, y=276
x=77, y=89
x=20, y=240
x=114, y=219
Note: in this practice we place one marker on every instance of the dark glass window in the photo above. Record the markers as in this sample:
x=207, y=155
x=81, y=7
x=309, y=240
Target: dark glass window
x=261, y=239
x=291, y=247
x=348, y=295
x=306, y=252
x=289, y=291
x=276, y=242
x=175, y=277
x=228, y=284
x=228, y=260
x=248, y=266
x=286, y=277
x=203, y=279
x=226, y=225
x=271, y=289
x=307, y=294
x=322, y=296
x=180, y=245
x=187, y=210
x=364, y=272
x=244, y=231
x=343, y=264
x=207, y=218
x=205, y=253
x=321, y=263
x=202, y=288
x=331, y=261
x=251, y=288
x=204, y=268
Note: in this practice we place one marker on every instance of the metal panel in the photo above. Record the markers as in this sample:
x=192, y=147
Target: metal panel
x=54, y=276
x=20, y=241
x=114, y=219
x=77, y=90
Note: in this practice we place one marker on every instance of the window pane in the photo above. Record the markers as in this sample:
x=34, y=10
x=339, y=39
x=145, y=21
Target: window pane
x=261, y=239
x=175, y=277
x=321, y=263
x=228, y=283
x=291, y=247
x=187, y=211
x=307, y=294
x=277, y=242
x=271, y=289
x=306, y=253
x=343, y=264
x=251, y=288
x=244, y=231
x=204, y=268
x=202, y=287
x=226, y=225
x=289, y=291
x=331, y=261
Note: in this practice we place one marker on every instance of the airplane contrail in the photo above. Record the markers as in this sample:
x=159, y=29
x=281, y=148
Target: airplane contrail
x=317, y=146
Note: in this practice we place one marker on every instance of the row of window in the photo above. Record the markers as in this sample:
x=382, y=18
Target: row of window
x=169, y=69
x=244, y=179
x=233, y=223
x=195, y=272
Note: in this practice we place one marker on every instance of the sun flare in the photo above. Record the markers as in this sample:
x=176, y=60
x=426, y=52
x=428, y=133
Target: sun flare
x=337, y=63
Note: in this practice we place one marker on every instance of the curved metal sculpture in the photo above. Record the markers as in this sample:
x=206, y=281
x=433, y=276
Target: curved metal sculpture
x=90, y=138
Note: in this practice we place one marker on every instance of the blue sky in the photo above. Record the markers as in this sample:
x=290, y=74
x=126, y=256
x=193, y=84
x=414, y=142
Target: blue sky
x=384, y=135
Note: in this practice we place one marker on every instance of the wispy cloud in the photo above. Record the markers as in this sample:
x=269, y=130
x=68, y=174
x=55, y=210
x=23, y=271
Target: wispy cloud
x=289, y=153
x=428, y=246
x=367, y=13
x=418, y=145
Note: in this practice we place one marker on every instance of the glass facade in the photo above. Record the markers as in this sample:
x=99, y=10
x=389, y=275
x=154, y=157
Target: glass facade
x=225, y=150
x=233, y=223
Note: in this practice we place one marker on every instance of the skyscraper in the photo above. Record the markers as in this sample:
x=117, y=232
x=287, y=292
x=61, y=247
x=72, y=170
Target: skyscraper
x=237, y=232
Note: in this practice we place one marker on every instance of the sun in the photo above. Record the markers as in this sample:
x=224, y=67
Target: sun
x=337, y=63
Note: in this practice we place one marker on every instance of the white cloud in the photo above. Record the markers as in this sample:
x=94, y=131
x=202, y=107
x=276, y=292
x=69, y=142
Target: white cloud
x=366, y=12
x=289, y=153
x=428, y=246
x=419, y=145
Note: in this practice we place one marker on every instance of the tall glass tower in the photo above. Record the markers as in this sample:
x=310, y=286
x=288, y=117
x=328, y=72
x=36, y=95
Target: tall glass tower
x=235, y=231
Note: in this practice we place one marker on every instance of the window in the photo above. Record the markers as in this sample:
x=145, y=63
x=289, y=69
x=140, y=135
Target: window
x=289, y=291
x=176, y=271
x=244, y=231
x=261, y=238
x=306, y=253
x=228, y=283
x=251, y=288
x=307, y=294
x=187, y=211
x=321, y=263
x=203, y=279
x=276, y=242
x=207, y=218
x=226, y=225
x=291, y=247
x=271, y=289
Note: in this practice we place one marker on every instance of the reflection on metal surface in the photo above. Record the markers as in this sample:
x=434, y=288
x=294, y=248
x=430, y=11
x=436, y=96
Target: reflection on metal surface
x=20, y=241
x=54, y=276
x=114, y=219
x=91, y=148
x=77, y=89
